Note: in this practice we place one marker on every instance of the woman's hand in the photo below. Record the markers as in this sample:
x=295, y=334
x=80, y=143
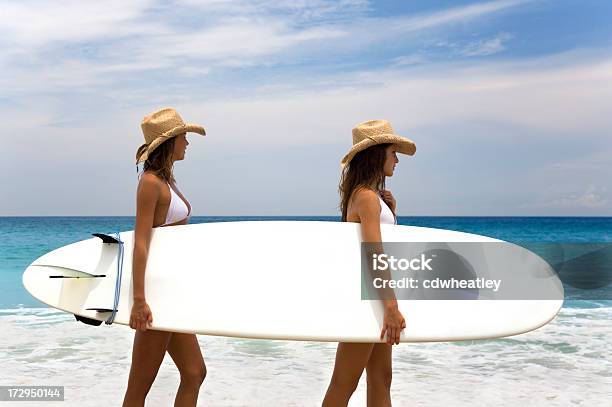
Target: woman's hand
x=387, y=196
x=393, y=324
x=141, y=317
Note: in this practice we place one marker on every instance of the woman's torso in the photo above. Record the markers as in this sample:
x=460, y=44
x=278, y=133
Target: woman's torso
x=172, y=208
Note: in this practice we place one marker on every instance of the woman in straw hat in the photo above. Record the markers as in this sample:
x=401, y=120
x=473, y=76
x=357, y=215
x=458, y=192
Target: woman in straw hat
x=363, y=199
x=160, y=203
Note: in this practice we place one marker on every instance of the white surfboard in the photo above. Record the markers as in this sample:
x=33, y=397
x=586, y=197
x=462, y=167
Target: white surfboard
x=292, y=280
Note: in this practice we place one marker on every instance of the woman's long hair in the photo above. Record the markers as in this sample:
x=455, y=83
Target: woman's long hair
x=365, y=170
x=160, y=160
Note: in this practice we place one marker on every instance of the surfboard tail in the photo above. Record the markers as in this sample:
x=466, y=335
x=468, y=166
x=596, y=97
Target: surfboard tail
x=106, y=238
x=88, y=321
x=91, y=321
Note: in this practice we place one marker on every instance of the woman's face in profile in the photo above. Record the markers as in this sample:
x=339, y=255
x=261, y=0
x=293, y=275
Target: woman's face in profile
x=390, y=160
x=180, y=144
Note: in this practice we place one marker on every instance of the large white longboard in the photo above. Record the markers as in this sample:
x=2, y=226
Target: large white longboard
x=292, y=280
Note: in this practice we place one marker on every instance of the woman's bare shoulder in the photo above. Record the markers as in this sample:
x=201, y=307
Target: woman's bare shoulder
x=365, y=196
x=149, y=182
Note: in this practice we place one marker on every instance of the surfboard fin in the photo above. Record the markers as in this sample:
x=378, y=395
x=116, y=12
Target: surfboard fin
x=106, y=238
x=88, y=321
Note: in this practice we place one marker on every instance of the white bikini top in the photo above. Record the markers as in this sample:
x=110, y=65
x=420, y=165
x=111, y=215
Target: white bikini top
x=386, y=216
x=177, y=210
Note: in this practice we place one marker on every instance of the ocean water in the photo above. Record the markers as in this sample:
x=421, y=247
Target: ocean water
x=567, y=362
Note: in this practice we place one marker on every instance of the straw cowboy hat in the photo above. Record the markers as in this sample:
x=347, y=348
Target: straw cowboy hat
x=372, y=132
x=160, y=126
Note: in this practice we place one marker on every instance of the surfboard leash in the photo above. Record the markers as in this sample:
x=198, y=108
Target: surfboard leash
x=111, y=317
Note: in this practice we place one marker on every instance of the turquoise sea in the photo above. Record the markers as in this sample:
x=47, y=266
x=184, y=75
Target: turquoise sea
x=567, y=362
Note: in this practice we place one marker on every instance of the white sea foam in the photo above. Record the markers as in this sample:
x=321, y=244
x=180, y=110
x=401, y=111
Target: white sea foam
x=563, y=363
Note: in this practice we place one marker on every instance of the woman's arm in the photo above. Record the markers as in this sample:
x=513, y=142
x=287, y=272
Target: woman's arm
x=147, y=196
x=368, y=211
x=146, y=201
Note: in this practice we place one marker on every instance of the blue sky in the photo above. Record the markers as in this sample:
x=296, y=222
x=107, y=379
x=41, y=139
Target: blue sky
x=507, y=101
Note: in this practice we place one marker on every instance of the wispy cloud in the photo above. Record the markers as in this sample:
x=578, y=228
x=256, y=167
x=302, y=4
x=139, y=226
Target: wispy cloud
x=406, y=60
x=481, y=47
x=486, y=47
x=73, y=43
x=591, y=197
x=32, y=25
x=455, y=15
x=302, y=11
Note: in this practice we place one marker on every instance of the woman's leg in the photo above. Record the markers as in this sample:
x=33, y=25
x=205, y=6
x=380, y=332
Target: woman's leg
x=351, y=359
x=378, y=373
x=185, y=351
x=147, y=354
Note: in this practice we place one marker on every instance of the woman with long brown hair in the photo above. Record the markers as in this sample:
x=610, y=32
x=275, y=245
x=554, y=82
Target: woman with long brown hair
x=364, y=199
x=159, y=203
